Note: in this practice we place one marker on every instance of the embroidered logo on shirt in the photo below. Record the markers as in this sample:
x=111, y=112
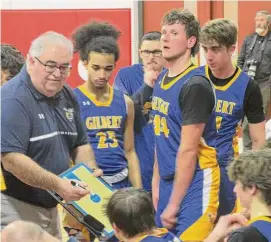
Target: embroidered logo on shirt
x=87, y=103
x=41, y=116
x=69, y=112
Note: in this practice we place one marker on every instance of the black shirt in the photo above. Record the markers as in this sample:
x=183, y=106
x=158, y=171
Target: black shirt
x=253, y=102
x=247, y=234
x=196, y=99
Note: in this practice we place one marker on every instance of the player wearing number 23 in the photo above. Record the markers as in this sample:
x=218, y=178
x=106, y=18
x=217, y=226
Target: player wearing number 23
x=237, y=96
x=107, y=113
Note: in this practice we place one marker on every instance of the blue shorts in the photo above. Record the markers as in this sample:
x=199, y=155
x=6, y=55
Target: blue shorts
x=198, y=210
x=227, y=197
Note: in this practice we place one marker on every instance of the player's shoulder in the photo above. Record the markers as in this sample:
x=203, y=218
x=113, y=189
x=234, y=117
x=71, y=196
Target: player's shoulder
x=199, y=79
x=130, y=70
x=248, y=233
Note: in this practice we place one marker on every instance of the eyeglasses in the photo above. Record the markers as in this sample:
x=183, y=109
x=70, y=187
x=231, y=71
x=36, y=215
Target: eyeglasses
x=156, y=53
x=50, y=68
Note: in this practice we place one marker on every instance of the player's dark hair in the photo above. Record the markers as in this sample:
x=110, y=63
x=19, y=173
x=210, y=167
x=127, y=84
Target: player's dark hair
x=11, y=59
x=152, y=35
x=98, y=37
x=132, y=211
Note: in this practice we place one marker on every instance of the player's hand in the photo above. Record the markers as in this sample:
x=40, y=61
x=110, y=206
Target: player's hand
x=226, y=224
x=70, y=192
x=150, y=75
x=97, y=172
x=169, y=216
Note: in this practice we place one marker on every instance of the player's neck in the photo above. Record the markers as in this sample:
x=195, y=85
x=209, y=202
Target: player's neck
x=258, y=208
x=179, y=65
x=225, y=72
x=101, y=94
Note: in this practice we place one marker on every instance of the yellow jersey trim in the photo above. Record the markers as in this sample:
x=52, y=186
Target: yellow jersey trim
x=170, y=84
x=2, y=181
x=260, y=218
x=158, y=233
x=91, y=96
x=224, y=88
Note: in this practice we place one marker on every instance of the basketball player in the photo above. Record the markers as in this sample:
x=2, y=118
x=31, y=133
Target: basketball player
x=129, y=80
x=186, y=175
x=237, y=96
x=107, y=113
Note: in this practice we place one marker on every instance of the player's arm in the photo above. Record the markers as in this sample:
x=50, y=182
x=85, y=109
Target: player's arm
x=144, y=93
x=155, y=182
x=225, y=226
x=196, y=102
x=253, y=107
x=84, y=154
x=129, y=148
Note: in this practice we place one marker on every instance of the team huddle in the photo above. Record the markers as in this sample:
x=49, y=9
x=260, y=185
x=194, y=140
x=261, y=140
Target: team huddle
x=167, y=127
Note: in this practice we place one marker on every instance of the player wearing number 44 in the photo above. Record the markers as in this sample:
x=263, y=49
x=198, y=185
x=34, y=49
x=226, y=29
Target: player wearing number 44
x=186, y=174
x=237, y=96
x=107, y=113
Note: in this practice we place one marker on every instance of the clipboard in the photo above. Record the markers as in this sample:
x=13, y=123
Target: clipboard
x=90, y=205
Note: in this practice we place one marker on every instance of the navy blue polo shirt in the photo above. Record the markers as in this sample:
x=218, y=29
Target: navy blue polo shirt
x=45, y=129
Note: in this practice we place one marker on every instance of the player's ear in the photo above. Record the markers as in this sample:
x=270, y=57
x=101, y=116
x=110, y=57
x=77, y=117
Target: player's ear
x=232, y=49
x=117, y=231
x=85, y=63
x=192, y=41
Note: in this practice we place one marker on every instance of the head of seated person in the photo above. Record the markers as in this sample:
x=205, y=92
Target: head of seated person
x=11, y=62
x=251, y=172
x=25, y=231
x=131, y=213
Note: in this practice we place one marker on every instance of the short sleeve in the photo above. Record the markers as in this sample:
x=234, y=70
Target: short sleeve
x=253, y=103
x=197, y=100
x=121, y=83
x=15, y=126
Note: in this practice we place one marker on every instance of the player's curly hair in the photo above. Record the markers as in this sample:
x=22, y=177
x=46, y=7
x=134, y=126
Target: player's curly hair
x=11, y=59
x=96, y=36
x=186, y=18
x=253, y=168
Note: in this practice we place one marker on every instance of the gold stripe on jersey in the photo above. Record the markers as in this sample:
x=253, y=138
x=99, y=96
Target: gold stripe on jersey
x=177, y=78
x=224, y=88
x=92, y=97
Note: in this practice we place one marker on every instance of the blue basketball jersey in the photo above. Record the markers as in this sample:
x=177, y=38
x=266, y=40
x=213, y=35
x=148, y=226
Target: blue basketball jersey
x=105, y=125
x=163, y=235
x=229, y=112
x=167, y=120
x=263, y=224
